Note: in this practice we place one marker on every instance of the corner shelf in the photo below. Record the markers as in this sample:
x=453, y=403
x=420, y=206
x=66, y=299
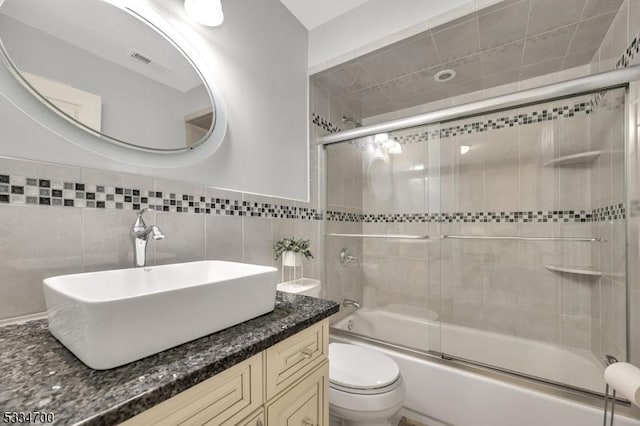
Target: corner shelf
x=583, y=157
x=578, y=270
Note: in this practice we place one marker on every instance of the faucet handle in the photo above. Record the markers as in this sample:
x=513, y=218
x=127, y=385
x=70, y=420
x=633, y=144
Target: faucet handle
x=139, y=223
x=143, y=211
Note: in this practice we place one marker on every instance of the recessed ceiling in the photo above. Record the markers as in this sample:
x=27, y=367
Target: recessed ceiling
x=505, y=43
x=315, y=13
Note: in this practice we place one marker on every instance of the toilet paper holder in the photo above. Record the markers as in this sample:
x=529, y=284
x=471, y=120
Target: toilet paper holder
x=608, y=360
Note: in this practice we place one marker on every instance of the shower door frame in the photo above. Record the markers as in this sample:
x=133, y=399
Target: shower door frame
x=620, y=78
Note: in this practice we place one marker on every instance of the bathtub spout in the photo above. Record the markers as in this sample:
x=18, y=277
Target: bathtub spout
x=352, y=303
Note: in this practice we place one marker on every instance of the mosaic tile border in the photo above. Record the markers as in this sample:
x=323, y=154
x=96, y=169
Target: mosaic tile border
x=481, y=126
x=47, y=192
x=616, y=212
x=324, y=124
x=630, y=52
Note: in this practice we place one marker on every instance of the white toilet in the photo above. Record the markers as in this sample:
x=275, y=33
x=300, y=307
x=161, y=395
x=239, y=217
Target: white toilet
x=365, y=386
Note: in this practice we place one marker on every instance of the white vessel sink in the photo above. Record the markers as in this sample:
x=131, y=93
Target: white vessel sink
x=111, y=318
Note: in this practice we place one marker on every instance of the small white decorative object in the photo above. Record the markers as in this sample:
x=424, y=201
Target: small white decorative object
x=291, y=258
x=292, y=251
x=292, y=262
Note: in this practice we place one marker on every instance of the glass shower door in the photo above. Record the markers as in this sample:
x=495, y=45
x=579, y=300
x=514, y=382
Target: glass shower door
x=387, y=226
x=533, y=237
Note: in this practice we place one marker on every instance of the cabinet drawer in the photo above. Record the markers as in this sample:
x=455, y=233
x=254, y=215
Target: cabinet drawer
x=303, y=405
x=224, y=399
x=256, y=419
x=294, y=357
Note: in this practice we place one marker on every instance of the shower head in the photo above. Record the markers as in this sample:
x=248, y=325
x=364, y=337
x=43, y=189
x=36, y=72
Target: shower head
x=355, y=122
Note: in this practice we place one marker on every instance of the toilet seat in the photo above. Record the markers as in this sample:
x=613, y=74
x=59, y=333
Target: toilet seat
x=374, y=391
x=357, y=370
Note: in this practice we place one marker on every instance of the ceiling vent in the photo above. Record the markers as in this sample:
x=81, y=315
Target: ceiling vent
x=140, y=57
x=143, y=59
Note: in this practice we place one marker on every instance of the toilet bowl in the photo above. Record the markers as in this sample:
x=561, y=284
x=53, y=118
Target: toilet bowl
x=365, y=386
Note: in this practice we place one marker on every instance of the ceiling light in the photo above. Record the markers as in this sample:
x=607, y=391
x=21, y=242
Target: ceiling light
x=444, y=75
x=464, y=149
x=205, y=12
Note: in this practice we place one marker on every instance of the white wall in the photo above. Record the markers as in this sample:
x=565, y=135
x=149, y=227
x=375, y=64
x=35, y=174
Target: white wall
x=378, y=23
x=259, y=56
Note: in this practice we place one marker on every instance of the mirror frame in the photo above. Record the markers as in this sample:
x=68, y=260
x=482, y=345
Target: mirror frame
x=23, y=95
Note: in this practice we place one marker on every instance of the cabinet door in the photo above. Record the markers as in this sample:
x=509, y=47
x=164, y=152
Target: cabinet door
x=293, y=358
x=223, y=399
x=305, y=404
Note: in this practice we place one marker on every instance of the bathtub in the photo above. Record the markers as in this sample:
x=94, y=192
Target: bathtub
x=444, y=394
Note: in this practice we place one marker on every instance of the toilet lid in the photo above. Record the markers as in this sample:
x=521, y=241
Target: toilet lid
x=360, y=368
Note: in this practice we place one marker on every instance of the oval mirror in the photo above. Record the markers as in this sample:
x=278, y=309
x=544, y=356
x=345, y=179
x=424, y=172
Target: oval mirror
x=109, y=71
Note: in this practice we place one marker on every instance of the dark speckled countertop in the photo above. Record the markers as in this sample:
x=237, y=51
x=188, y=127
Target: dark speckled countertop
x=37, y=373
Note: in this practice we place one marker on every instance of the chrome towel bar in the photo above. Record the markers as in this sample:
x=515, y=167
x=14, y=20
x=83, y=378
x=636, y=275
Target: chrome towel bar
x=518, y=238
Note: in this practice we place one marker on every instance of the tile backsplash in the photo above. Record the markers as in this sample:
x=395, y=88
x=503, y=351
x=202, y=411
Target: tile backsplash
x=46, y=192
x=56, y=219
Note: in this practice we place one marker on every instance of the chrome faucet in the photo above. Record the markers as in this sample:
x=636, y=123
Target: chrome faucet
x=347, y=259
x=140, y=233
x=349, y=302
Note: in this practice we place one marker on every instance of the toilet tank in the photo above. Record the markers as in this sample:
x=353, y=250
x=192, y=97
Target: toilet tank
x=303, y=286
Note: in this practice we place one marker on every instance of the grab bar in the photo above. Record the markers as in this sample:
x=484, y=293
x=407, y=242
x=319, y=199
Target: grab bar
x=482, y=237
x=383, y=236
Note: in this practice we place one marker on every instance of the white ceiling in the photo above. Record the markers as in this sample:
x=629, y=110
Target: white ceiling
x=108, y=32
x=315, y=13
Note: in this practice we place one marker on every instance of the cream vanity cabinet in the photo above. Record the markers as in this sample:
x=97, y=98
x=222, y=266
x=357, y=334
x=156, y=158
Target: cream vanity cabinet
x=285, y=385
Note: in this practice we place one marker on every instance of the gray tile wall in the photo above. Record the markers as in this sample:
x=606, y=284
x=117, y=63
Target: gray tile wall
x=623, y=30
x=342, y=172
x=42, y=241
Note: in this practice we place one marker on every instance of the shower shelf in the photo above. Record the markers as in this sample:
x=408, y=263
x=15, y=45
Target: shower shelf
x=382, y=236
x=578, y=270
x=583, y=157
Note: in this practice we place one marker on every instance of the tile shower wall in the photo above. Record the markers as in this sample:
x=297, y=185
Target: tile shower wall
x=58, y=220
x=499, y=187
x=621, y=45
x=343, y=177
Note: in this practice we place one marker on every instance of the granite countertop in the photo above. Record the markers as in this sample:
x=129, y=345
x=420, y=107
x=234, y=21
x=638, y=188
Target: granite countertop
x=39, y=374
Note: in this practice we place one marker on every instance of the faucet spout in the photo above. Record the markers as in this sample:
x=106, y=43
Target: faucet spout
x=151, y=231
x=140, y=234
